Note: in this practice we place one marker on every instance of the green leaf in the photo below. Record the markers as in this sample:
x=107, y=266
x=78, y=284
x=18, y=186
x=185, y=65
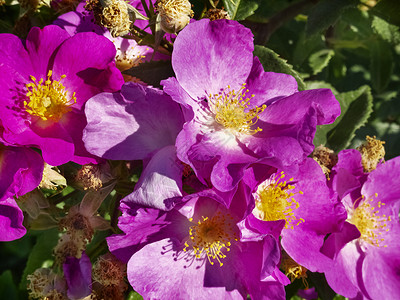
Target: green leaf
x=134, y=296
x=326, y=13
x=8, y=290
x=356, y=107
x=152, y=72
x=241, y=9
x=273, y=63
x=388, y=32
x=320, y=59
x=381, y=66
x=42, y=251
x=388, y=10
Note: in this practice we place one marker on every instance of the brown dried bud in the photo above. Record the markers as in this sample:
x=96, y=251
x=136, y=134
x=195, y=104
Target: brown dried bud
x=92, y=176
x=116, y=15
x=216, y=14
x=174, y=15
x=68, y=246
x=325, y=157
x=44, y=284
x=372, y=152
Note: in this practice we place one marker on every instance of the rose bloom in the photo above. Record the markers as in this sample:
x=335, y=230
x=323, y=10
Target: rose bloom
x=366, y=251
x=236, y=114
x=45, y=82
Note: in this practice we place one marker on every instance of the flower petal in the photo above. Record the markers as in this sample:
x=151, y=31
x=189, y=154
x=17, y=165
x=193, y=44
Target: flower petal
x=210, y=56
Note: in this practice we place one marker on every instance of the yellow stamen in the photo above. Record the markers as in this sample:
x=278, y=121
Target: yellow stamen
x=368, y=221
x=48, y=100
x=212, y=236
x=231, y=110
x=274, y=201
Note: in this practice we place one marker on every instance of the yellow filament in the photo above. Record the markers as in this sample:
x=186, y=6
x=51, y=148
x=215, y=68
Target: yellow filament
x=212, y=236
x=48, y=100
x=231, y=110
x=368, y=221
x=274, y=201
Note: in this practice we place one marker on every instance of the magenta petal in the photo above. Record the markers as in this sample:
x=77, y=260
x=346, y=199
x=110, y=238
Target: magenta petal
x=268, y=86
x=11, y=218
x=87, y=60
x=20, y=170
x=343, y=276
x=327, y=108
x=384, y=181
x=337, y=240
x=155, y=269
x=381, y=273
x=14, y=55
x=160, y=182
x=78, y=274
x=41, y=44
x=209, y=56
x=132, y=126
x=347, y=173
x=304, y=247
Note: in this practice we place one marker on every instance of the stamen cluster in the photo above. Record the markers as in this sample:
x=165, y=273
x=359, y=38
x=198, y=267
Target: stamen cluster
x=231, y=110
x=369, y=222
x=49, y=99
x=274, y=201
x=212, y=236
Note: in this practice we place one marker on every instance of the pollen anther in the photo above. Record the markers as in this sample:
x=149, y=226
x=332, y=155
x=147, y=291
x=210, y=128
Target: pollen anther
x=231, y=109
x=212, y=237
x=275, y=201
x=48, y=100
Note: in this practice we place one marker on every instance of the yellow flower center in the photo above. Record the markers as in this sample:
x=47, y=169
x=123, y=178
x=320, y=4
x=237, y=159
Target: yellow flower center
x=231, y=110
x=212, y=236
x=368, y=221
x=48, y=100
x=274, y=201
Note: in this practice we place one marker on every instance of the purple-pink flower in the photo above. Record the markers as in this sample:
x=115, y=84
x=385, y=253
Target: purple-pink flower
x=20, y=172
x=237, y=114
x=45, y=82
x=296, y=204
x=367, y=250
x=197, y=251
x=139, y=123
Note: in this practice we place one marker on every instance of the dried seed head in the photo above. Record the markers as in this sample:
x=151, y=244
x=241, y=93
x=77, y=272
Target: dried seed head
x=326, y=158
x=116, y=15
x=44, y=284
x=216, y=14
x=372, y=152
x=92, y=176
x=67, y=246
x=174, y=14
x=108, y=270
